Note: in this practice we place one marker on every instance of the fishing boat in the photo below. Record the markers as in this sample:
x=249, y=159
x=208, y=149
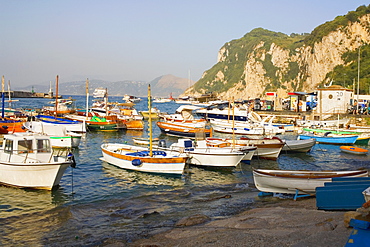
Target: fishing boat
x=353, y=150
x=154, y=112
x=70, y=125
x=297, y=182
x=267, y=148
x=184, y=129
x=331, y=139
x=59, y=136
x=108, y=123
x=144, y=159
x=144, y=141
x=202, y=155
x=183, y=114
x=298, y=146
x=27, y=161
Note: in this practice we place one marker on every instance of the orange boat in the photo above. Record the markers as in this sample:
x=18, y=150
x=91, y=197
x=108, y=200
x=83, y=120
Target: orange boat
x=11, y=126
x=354, y=150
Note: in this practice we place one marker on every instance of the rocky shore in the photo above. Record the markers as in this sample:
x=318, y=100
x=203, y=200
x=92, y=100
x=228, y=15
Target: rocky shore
x=276, y=222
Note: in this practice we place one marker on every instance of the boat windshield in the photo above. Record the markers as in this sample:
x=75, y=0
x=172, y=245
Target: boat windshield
x=8, y=148
x=43, y=146
x=24, y=146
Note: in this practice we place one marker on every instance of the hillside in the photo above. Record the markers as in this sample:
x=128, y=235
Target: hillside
x=264, y=60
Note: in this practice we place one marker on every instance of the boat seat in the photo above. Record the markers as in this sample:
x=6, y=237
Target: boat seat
x=146, y=153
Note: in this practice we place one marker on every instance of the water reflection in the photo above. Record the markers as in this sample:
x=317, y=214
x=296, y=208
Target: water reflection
x=15, y=201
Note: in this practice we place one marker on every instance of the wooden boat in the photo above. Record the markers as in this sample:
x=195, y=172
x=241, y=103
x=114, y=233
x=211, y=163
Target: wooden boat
x=183, y=114
x=353, y=150
x=184, y=129
x=109, y=123
x=144, y=141
x=27, y=161
x=298, y=146
x=203, y=155
x=154, y=112
x=297, y=182
x=143, y=159
x=267, y=148
x=342, y=139
x=9, y=125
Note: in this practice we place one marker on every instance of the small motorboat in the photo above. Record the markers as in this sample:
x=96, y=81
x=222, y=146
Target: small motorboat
x=353, y=150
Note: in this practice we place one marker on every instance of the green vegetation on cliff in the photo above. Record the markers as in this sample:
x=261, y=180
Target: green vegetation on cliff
x=254, y=47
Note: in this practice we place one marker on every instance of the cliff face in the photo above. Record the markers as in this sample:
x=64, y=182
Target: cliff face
x=264, y=61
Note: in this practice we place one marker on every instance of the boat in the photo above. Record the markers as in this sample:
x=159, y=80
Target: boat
x=28, y=161
x=267, y=148
x=183, y=114
x=154, y=112
x=353, y=150
x=337, y=139
x=144, y=159
x=144, y=141
x=59, y=136
x=109, y=123
x=130, y=98
x=191, y=130
x=298, y=146
x=162, y=100
x=202, y=155
x=297, y=182
x=342, y=193
x=223, y=111
x=70, y=125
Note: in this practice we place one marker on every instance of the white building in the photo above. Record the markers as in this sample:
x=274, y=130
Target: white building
x=332, y=100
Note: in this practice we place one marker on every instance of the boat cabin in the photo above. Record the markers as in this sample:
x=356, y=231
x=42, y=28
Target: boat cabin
x=25, y=148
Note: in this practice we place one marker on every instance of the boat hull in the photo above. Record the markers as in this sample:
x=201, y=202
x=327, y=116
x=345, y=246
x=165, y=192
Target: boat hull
x=116, y=154
x=36, y=176
x=299, y=146
x=354, y=150
x=183, y=130
x=331, y=140
x=301, y=182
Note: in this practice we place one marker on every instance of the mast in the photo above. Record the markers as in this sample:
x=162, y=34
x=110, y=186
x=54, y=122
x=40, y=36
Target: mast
x=233, y=105
x=3, y=97
x=87, y=98
x=358, y=78
x=150, y=123
x=56, y=95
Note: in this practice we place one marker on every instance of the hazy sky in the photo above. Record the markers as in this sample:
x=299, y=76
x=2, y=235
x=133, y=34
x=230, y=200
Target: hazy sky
x=118, y=40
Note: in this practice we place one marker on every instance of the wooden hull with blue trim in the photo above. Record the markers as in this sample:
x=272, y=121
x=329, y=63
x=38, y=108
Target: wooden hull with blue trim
x=138, y=159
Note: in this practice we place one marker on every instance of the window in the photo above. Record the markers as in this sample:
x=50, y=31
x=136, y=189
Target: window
x=25, y=146
x=8, y=146
x=43, y=146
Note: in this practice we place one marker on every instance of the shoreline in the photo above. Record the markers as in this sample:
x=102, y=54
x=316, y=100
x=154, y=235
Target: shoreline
x=271, y=222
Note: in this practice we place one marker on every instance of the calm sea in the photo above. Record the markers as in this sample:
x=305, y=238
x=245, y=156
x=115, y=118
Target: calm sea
x=97, y=202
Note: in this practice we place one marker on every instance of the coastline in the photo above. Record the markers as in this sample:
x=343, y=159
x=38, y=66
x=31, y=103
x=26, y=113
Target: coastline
x=271, y=222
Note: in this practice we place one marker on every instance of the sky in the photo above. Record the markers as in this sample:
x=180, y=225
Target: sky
x=139, y=40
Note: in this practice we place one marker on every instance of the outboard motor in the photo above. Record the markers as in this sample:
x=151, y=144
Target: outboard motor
x=162, y=143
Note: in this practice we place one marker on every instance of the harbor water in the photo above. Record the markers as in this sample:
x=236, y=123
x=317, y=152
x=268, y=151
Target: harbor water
x=98, y=203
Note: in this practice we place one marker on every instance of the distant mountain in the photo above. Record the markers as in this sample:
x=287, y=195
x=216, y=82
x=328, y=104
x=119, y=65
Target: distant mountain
x=162, y=86
x=166, y=85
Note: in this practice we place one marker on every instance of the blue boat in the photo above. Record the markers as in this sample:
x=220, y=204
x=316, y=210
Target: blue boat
x=342, y=194
x=330, y=139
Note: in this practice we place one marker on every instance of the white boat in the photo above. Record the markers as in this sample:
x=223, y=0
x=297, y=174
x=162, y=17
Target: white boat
x=203, y=155
x=247, y=127
x=28, y=161
x=298, y=146
x=224, y=111
x=144, y=159
x=162, y=100
x=297, y=182
x=267, y=148
x=139, y=159
x=144, y=141
x=182, y=114
x=130, y=98
x=59, y=136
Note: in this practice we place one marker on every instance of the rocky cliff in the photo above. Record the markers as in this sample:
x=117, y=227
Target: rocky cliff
x=264, y=61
